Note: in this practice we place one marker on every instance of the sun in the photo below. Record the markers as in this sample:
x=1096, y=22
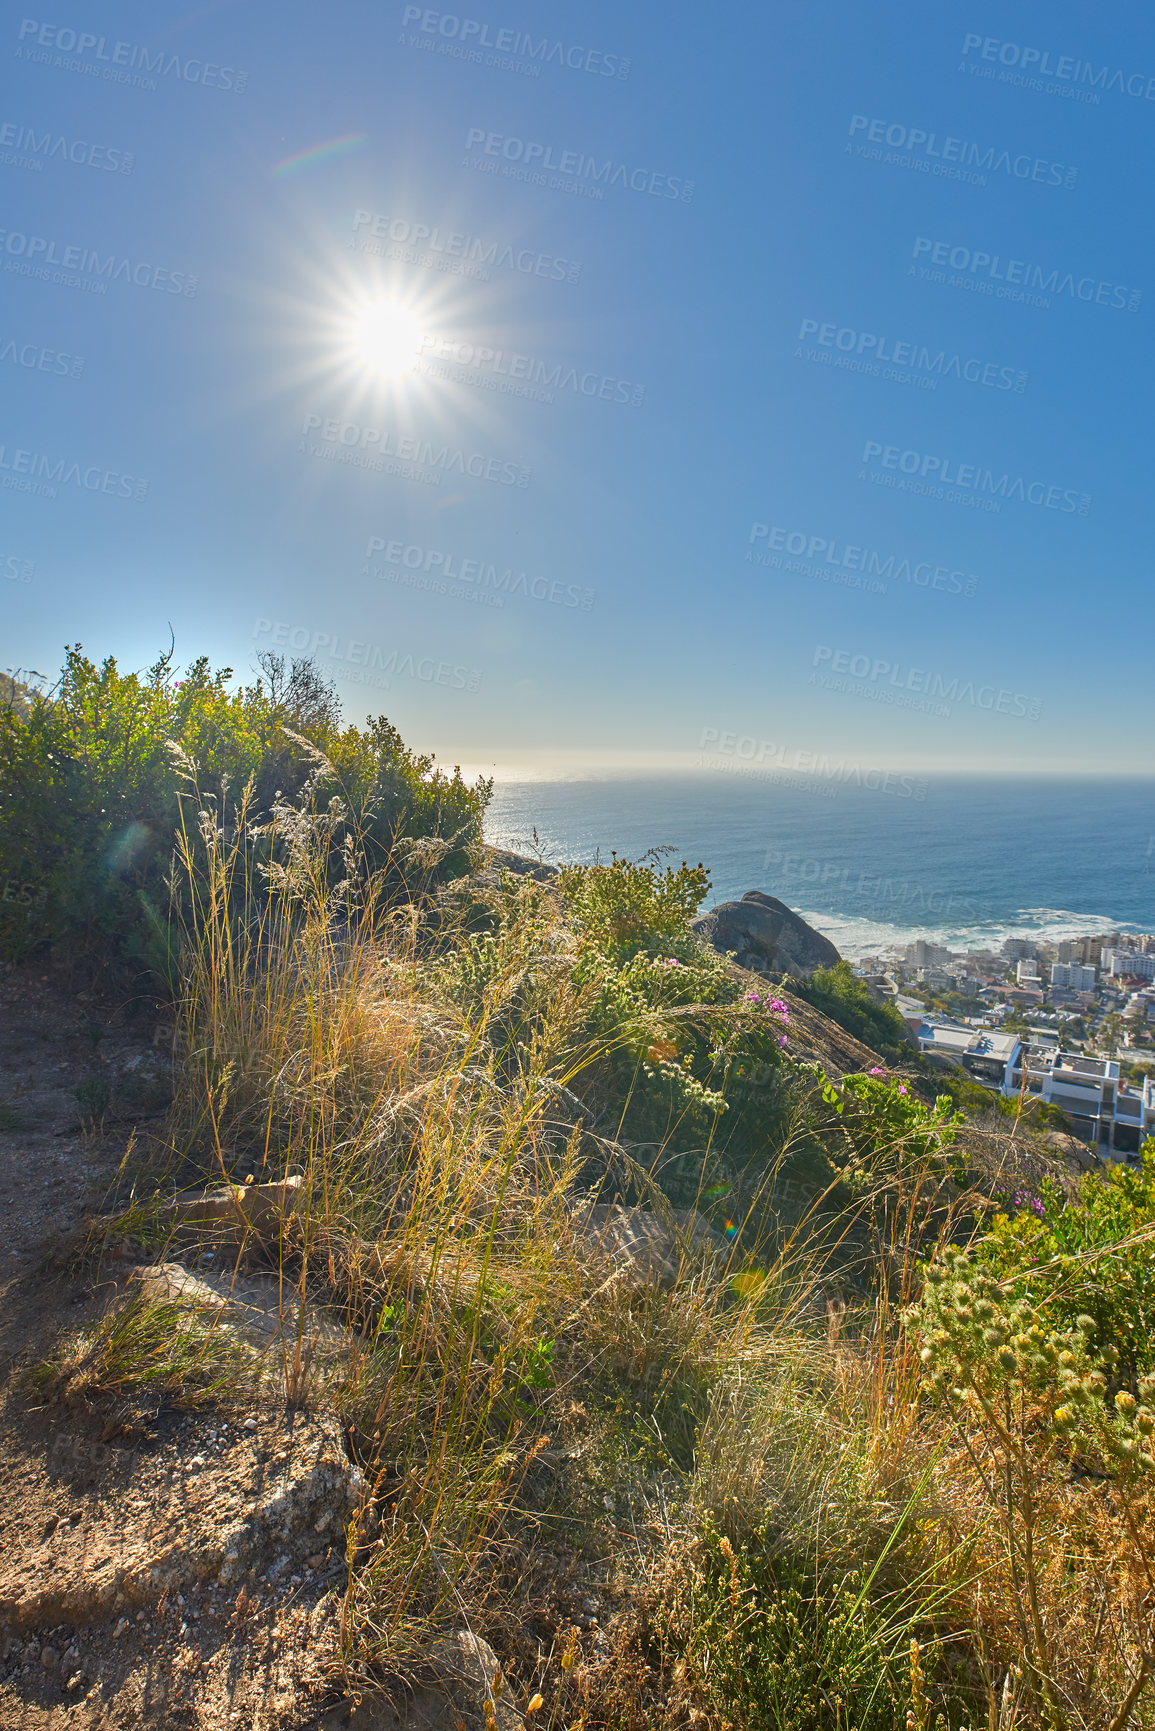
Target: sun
x=387, y=338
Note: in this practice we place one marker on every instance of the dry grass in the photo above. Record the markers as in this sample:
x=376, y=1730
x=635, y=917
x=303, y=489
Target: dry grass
x=529, y=1417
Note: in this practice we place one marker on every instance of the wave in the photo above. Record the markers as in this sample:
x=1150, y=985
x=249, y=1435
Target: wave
x=854, y=937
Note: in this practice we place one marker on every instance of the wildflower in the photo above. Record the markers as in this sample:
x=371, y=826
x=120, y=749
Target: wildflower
x=874, y=1070
x=901, y=1088
x=752, y=997
x=1125, y=1403
x=781, y=1039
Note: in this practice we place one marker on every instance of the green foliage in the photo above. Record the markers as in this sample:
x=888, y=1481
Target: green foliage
x=841, y=995
x=776, y=1656
x=632, y=905
x=885, y=1122
x=90, y=786
x=1091, y=1255
x=692, y=1060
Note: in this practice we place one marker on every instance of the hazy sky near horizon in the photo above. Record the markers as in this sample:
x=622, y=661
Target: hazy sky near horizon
x=595, y=385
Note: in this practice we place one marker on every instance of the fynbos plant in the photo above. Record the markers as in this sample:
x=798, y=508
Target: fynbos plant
x=1035, y=1413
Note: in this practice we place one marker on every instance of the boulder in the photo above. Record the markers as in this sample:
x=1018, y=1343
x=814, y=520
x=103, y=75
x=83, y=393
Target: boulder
x=263, y=1312
x=235, y=1212
x=469, y=1681
x=766, y=936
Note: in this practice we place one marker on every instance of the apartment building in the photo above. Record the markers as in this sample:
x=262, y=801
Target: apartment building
x=1076, y=976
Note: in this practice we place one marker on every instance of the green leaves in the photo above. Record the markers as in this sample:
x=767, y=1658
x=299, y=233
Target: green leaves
x=90, y=791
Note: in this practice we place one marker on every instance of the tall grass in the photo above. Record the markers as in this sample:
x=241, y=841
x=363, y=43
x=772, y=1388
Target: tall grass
x=744, y=1456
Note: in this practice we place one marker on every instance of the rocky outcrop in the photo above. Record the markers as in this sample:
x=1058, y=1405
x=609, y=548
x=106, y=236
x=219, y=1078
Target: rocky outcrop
x=252, y=1504
x=766, y=936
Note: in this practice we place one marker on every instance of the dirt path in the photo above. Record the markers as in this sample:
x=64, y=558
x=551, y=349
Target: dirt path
x=115, y=1610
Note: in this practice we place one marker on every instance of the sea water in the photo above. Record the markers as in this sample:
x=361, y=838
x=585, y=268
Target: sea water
x=965, y=861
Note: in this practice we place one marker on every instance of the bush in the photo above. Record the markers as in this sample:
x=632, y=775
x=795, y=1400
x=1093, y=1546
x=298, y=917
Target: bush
x=90, y=791
x=841, y=995
x=1091, y=1256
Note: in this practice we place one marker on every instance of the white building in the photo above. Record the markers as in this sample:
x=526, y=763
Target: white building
x=1120, y=962
x=984, y=1053
x=1078, y=976
x=1027, y=972
x=922, y=954
x=1113, y=1115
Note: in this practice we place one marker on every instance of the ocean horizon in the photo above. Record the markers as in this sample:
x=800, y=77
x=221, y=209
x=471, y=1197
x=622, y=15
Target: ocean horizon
x=963, y=860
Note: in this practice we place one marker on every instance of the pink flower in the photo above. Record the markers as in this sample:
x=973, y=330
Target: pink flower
x=901, y=1089
x=876, y=1071
x=781, y=1039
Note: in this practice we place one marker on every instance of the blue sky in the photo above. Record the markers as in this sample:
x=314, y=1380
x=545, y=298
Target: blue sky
x=730, y=531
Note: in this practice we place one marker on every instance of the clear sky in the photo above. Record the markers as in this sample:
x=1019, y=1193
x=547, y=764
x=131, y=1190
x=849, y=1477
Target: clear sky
x=592, y=385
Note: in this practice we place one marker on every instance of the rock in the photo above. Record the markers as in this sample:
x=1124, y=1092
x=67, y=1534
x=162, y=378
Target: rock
x=468, y=1671
x=169, y=1283
x=264, y=1312
x=500, y=859
x=642, y=1242
x=235, y=1212
x=212, y=1524
x=467, y=1676
x=766, y=936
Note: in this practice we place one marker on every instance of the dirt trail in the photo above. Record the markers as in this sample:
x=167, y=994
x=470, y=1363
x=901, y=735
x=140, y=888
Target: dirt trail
x=114, y=1607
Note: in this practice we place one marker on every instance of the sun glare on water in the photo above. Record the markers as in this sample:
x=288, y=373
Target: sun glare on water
x=387, y=339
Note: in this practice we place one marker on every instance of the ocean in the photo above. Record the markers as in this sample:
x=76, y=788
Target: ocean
x=965, y=861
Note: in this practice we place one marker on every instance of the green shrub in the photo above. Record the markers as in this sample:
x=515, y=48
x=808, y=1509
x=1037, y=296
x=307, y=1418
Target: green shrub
x=1092, y=1255
x=773, y=1654
x=841, y=995
x=90, y=795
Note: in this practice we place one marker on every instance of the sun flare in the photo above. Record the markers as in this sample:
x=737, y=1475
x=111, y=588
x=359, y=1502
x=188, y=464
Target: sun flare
x=387, y=338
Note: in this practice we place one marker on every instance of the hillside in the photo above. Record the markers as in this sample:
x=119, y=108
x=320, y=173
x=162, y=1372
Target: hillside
x=444, y=1289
